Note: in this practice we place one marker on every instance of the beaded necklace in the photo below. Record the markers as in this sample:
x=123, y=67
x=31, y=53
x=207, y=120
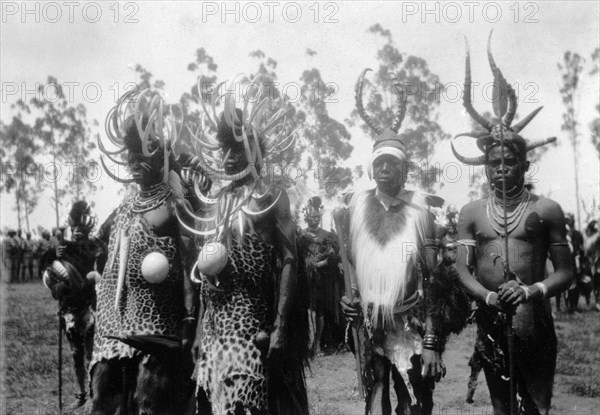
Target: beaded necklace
x=151, y=198
x=495, y=212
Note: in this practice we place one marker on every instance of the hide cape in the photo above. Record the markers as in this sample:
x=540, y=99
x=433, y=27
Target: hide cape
x=385, y=249
x=386, y=246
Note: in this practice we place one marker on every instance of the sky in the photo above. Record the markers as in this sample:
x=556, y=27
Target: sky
x=93, y=47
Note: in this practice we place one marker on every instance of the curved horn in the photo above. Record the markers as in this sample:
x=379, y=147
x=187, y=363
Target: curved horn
x=467, y=93
x=484, y=141
x=512, y=106
x=247, y=211
x=538, y=143
x=204, y=199
x=402, y=98
x=472, y=161
x=483, y=138
x=474, y=134
x=500, y=93
x=195, y=217
x=192, y=230
x=105, y=151
x=111, y=128
x=114, y=176
x=523, y=123
x=358, y=88
x=117, y=162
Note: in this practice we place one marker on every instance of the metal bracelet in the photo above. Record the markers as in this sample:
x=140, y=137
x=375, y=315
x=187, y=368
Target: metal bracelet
x=542, y=288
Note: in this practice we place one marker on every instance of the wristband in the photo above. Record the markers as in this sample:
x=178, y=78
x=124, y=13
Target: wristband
x=527, y=291
x=487, y=298
x=431, y=342
x=542, y=288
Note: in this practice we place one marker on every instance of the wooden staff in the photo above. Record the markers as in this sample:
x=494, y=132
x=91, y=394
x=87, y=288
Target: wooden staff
x=60, y=331
x=339, y=215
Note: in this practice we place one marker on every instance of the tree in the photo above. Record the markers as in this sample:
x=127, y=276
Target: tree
x=20, y=172
x=326, y=139
x=595, y=124
x=420, y=129
x=204, y=70
x=63, y=129
x=571, y=69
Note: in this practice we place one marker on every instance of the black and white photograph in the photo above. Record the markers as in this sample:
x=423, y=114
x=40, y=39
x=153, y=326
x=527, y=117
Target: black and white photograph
x=299, y=207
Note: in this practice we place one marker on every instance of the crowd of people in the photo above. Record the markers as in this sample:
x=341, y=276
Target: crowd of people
x=202, y=294
x=25, y=254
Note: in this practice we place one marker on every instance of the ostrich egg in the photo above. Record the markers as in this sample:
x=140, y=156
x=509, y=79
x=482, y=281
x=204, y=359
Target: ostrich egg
x=155, y=267
x=212, y=258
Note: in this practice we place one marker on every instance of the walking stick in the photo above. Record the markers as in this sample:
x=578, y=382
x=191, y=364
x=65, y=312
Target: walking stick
x=338, y=217
x=500, y=105
x=60, y=331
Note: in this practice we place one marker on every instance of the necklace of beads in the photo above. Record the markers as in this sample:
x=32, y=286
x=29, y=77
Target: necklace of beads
x=151, y=198
x=495, y=212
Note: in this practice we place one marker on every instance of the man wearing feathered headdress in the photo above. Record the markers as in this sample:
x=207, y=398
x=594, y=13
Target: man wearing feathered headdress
x=511, y=281
x=319, y=250
x=146, y=307
x=399, y=291
x=251, y=339
x=67, y=278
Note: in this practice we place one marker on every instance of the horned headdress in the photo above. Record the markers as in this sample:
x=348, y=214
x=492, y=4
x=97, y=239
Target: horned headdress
x=387, y=140
x=505, y=106
x=253, y=125
x=157, y=124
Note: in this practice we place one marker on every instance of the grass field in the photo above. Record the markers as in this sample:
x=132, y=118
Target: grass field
x=29, y=342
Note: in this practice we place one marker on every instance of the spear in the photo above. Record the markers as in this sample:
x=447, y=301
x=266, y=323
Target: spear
x=500, y=105
x=60, y=332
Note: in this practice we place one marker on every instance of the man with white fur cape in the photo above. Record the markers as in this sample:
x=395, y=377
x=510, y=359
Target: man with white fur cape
x=403, y=305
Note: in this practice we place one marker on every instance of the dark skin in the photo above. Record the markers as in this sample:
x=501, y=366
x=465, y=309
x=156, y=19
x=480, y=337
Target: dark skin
x=59, y=290
x=275, y=227
x=147, y=172
x=529, y=245
x=389, y=174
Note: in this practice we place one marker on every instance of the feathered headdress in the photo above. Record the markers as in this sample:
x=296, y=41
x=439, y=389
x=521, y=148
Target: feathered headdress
x=142, y=121
x=505, y=106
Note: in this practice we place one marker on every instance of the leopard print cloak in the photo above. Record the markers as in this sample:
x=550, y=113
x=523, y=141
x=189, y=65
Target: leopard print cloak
x=231, y=369
x=144, y=308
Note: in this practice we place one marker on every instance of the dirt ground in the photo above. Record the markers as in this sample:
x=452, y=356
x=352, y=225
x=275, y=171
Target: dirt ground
x=333, y=377
x=29, y=362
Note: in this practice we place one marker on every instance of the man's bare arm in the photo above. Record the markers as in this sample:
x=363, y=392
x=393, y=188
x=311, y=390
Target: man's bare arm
x=560, y=254
x=431, y=250
x=466, y=253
